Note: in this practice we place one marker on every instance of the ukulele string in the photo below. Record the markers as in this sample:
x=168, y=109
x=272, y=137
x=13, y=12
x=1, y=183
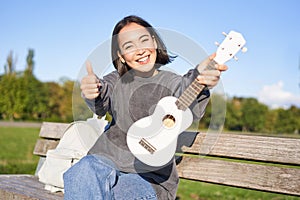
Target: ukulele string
x=185, y=99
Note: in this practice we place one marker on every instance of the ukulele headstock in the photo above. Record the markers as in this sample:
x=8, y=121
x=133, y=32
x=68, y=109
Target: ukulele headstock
x=231, y=45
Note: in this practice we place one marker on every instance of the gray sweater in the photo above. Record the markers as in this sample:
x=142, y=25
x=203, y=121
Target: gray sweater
x=129, y=98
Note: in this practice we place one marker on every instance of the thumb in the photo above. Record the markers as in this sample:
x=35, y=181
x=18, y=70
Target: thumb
x=89, y=68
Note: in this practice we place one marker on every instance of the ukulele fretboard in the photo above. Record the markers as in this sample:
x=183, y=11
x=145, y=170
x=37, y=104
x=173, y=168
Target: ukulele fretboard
x=194, y=89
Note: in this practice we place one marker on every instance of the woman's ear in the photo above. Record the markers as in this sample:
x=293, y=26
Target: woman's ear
x=120, y=57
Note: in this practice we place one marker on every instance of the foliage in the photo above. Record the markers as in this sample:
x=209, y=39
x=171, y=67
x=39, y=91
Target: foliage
x=24, y=97
x=9, y=67
x=215, y=113
x=60, y=100
x=234, y=115
x=249, y=115
x=253, y=115
x=29, y=61
x=7, y=88
x=288, y=121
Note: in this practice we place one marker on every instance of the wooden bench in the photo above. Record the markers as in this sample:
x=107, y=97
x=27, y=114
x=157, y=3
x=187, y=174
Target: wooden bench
x=261, y=163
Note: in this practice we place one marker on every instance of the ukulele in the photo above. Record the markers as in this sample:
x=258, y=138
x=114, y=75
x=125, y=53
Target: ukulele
x=153, y=139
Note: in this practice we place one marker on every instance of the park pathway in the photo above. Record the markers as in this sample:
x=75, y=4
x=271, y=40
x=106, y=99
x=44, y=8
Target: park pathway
x=20, y=124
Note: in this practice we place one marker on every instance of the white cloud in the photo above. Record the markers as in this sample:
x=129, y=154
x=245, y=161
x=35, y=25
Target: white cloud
x=275, y=96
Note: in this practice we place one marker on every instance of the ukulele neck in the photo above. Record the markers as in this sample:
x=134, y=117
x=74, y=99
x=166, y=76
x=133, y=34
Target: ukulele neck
x=194, y=89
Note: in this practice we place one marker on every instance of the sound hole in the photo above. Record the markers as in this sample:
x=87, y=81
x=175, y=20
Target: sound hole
x=169, y=121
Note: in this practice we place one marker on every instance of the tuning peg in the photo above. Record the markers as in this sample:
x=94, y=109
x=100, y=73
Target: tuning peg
x=217, y=44
x=225, y=34
x=235, y=58
x=244, y=49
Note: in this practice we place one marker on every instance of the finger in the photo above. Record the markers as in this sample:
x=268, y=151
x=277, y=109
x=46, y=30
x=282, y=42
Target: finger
x=91, y=96
x=222, y=67
x=89, y=68
x=210, y=73
x=209, y=83
x=207, y=79
x=89, y=87
x=91, y=91
x=89, y=80
x=209, y=59
x=212, y=56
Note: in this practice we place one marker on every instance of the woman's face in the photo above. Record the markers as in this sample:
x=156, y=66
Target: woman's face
x=137, y=48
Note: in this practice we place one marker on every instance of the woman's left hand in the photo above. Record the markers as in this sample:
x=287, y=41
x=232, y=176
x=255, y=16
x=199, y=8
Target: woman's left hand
x=210, y=77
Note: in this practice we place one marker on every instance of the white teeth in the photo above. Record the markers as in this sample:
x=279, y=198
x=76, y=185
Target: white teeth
x=143, y=59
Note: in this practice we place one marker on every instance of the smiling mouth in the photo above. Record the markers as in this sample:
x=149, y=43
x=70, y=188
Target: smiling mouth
x=144, y=60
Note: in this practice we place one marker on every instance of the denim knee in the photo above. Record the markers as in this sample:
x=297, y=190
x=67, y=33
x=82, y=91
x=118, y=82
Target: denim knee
x=91, y=178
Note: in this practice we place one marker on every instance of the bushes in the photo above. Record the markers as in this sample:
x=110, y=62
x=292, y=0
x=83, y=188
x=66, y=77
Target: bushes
x=249, y=115
x=26, y=98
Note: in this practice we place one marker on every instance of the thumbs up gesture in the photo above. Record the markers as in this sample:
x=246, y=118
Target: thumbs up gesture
x=90, y=84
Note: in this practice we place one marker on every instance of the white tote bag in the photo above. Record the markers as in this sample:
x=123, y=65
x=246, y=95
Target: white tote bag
x=77, y=140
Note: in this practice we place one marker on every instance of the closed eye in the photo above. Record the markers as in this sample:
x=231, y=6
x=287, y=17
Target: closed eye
x=128, y=47
x=144, y=38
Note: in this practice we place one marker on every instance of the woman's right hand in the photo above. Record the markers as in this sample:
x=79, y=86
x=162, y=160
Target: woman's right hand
x=90, y=84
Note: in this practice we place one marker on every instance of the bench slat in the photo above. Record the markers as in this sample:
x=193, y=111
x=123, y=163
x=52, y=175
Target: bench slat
x=259, y=148
x=23, y=187
x=43, y=145
x=53, y=130
x=245, y=175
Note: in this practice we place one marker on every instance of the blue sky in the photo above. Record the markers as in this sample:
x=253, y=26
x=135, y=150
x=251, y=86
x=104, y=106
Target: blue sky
x=64, y=33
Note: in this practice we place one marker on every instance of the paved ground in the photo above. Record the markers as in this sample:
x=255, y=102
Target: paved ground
x=20, y=124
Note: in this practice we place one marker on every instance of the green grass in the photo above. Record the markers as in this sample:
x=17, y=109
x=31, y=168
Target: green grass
x=16, y=150
x=194, y=190
x=16, y=158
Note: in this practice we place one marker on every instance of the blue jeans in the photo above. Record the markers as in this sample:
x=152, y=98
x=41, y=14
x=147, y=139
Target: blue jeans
x=96, y=177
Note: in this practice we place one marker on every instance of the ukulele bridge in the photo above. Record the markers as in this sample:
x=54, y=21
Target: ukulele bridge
x=144, y=143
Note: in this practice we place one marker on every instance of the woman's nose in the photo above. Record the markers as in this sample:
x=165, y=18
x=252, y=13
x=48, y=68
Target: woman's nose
x=140, y=50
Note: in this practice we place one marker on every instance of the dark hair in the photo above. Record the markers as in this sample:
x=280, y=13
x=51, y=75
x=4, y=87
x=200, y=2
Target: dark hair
x=162, y=55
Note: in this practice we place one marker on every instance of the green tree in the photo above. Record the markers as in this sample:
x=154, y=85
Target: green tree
x=271, y=119
x=55, y=93
x=36, y=98
x=30, y=61
x=215, y=113
x=66, y=101
x=79, y=107
x=7, y=101
x=23, y=96
x=60, y=100
x=234, y=114
x=288, y=120
x=253, y=115
x=296, y=118
x=9, y=67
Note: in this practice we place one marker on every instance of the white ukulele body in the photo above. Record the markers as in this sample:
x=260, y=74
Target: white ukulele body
x=153, y=139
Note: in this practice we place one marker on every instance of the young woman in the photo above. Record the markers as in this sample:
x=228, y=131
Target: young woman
x=110, y=171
